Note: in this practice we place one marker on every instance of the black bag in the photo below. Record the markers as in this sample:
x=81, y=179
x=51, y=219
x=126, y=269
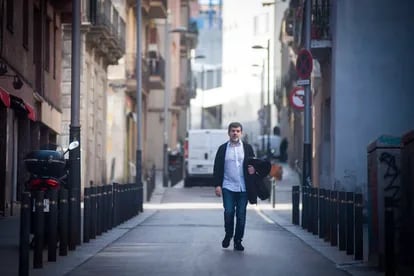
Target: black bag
x=262, y=188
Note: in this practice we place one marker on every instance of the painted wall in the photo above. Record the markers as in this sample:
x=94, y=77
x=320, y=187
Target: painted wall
x=371, y=81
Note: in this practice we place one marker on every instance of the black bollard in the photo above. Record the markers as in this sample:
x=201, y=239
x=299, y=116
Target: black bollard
x=115, y=204
x=98, y=211
x=295, y=205
x=315, y=212
x=104, y=208
x=304, y=207
x=110, y=207
x=24, y=242
x=390, y=256
x=73, y=224
x=52, y=225
x=342, y=221
x=321, y=213
x=350, y=223
x=86, y=214
x=92, y=234
x=358, y=227
x=39, y=229
x=334, y=218
x=328, y=216
x=63, y=222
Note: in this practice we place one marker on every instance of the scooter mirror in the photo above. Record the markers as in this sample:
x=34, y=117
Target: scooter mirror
x=73, y=145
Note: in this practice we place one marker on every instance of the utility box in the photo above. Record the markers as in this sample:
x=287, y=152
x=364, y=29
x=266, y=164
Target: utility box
x=383, y=181
x=406, y=228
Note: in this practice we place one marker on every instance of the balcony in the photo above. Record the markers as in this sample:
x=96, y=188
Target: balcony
x=321, y=32
x=157, y=9
x=189, y=39
x=183, y=96
x=131, y=80
x=156, y=68
x=321, y=39
x=106, y=29
x=144, y=5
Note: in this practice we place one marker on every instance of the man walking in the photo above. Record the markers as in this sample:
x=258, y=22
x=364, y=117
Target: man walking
x=230, y=176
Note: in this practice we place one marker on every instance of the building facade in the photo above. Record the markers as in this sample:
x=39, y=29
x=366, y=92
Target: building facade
x=30, y=76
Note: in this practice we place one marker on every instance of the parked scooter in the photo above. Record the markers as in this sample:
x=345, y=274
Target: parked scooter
x=48, y=170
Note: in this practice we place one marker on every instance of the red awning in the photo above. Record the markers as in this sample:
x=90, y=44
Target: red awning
x=5, y=97
x=31, y=114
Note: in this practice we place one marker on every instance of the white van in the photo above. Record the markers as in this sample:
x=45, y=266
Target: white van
x=200, y=149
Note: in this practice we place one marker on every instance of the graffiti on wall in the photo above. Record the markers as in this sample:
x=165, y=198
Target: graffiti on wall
x=392, y=172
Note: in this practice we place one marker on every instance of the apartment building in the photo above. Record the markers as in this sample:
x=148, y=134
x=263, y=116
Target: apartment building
x=30, y=99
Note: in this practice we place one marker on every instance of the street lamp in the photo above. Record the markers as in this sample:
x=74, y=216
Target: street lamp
x=268, y=125
x=262, y=102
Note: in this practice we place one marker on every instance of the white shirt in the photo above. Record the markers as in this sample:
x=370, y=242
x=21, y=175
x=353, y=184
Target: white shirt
x=233, y=168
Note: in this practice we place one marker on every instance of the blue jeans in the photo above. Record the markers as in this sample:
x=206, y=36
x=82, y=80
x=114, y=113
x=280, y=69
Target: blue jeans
x=234, y=203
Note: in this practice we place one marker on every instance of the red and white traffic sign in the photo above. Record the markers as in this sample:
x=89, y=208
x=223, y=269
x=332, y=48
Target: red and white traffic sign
x=304, y=64
x=297, y=98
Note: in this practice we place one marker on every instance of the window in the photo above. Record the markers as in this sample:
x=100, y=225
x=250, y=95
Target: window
x=10, y=16
x=26, y=24
x=55, y=40
x=47, y=44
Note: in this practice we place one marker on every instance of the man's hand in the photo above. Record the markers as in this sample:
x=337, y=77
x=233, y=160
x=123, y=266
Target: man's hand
x=250, y=169
x=218, y=191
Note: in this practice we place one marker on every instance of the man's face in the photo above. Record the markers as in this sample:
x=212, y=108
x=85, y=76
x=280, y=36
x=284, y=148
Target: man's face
x=235, y=134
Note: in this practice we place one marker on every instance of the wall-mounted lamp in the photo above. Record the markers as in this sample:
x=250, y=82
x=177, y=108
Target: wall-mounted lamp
x=17, y=82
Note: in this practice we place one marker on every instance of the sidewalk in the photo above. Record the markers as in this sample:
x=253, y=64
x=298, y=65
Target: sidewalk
x=282, y=215
x=9, y=243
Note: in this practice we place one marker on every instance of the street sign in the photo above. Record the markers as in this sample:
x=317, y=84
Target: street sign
x=302, y=82
x=304, y=64
x=297, y=98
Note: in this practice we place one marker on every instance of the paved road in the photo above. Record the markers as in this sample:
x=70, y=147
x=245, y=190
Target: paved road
x=183, y=237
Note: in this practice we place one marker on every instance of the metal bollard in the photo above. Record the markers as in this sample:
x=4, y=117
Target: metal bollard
x=328, y=216
x=104, y=208
x=52, y=226
x=110, y=207
x=63, y=222
x=334, y=218
x=342, y=221
x=390, y=260
x=39, y=229
x=72, y=221
x=86, y=214
x=315, y=212
x=295, y=205
x=92, y=226
x=350, y=223
x=304, y=195
x=24, y=241
x=98, y=211
x=115, y=204
x=333, y=224
x=358, y=227
x=322, y=208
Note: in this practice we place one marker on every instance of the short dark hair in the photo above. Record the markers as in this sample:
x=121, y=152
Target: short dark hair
x=235, y=125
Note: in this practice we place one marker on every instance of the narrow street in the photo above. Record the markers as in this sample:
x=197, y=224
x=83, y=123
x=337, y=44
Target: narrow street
x=183, y=237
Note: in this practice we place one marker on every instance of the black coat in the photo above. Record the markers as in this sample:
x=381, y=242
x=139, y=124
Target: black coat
x=249, y=179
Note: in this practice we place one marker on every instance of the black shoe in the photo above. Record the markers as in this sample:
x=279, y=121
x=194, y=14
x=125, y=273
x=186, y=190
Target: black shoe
x=226, y=242
x=238, y=246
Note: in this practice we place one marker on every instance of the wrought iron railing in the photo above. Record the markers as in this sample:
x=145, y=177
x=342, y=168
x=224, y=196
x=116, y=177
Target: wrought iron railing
x=320, y=20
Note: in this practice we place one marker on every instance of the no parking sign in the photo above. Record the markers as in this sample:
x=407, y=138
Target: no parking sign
x=297, y=98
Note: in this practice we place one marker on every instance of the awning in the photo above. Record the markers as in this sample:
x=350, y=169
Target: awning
x=22, y=107
x=4, y=97
x=31, y=114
